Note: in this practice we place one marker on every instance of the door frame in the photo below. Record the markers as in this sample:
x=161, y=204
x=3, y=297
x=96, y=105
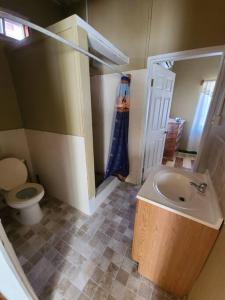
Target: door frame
x=217, y=102
x=12, y=261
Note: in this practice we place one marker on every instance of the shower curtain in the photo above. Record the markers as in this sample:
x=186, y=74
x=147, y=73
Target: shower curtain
x=118, y=162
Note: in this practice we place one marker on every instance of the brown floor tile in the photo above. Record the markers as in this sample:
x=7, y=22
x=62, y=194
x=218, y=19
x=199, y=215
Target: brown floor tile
x=72, y=293
x=90, y=288
x=97, y=275
x=100, y=294
x=129, y=295
x=122, y=276
x=72, y=256
x=110, y=231
x=110, y=297
x=145, y=291
x=83, y=297
x=113, y=269
x=133, y=283
x=108, y=253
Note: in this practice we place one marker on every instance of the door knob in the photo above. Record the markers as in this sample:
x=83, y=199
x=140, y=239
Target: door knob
x=166, y=132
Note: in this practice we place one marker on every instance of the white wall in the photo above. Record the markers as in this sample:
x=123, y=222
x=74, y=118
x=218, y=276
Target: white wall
x=13, y=143
x=137, y=108
x=104, y=93
x=103, y=97
x=59, y=160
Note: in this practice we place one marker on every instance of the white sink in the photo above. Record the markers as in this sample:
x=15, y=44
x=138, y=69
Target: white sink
x=170, y=189
x=175, y=187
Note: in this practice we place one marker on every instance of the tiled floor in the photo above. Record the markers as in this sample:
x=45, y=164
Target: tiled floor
x=181, y=160
x=72, y=256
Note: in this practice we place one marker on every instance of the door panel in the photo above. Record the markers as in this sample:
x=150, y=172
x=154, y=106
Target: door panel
x=13, y=270
x=160, y=99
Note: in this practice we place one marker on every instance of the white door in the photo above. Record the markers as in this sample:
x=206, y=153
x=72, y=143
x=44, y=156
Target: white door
x=13, y=281
x=160, y=98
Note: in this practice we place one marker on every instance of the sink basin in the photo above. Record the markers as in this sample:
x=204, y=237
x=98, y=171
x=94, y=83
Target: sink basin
x=175, y=187
x=170, y=189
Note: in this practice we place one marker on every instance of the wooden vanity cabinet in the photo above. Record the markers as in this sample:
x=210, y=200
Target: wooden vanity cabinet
x=170, y=249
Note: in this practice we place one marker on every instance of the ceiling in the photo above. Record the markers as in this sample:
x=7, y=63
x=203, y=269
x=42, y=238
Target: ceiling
x=65, y=2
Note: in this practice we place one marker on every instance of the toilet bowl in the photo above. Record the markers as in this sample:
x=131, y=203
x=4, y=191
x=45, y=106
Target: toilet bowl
x=19, y=194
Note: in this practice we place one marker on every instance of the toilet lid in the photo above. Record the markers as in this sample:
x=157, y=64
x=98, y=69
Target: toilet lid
x=13, y=173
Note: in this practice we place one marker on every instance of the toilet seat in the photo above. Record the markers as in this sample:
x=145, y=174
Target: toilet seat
x=13, y=173
x=25, y=195
x=19, y=194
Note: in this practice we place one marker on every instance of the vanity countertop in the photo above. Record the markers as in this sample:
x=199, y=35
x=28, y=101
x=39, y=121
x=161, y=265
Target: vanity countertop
x=202, y=208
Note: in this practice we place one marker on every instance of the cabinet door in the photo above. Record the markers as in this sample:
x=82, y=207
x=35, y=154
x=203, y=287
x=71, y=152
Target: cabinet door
x=170, y=249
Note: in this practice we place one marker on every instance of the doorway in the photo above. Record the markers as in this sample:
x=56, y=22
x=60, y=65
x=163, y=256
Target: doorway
x=193, y=90
x=149, y=148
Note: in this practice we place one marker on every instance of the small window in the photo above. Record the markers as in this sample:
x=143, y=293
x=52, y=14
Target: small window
x=13, y=29
x=1, y=26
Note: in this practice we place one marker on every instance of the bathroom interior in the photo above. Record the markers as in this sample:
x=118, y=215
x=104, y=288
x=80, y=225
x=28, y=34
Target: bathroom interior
x=183, y=137
x=151, y=229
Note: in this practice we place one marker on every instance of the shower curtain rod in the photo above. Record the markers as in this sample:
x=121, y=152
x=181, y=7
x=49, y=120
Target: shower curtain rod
x=52, y=35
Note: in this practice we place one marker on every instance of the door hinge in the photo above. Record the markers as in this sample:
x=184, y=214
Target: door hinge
x=152, y=82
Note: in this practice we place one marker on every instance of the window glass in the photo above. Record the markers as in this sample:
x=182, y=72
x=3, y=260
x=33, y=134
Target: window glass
x=1, y=26
x=14, y=30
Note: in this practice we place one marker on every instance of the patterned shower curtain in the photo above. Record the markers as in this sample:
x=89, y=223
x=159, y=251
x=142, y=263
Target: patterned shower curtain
x=118, y=163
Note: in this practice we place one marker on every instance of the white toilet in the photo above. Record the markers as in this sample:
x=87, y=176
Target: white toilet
x=19, y=194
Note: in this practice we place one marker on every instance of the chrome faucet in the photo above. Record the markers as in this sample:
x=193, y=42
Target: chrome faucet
x=200, y=187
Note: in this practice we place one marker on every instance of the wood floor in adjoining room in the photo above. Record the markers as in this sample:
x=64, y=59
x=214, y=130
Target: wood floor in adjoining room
x=181, y=160
x=73, y=256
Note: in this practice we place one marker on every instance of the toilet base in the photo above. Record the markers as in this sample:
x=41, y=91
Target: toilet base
x=30, y=215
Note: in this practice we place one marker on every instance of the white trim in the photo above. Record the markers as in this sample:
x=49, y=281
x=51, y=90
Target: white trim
x=52, y=35
x=13, y=263
x=189, y=54
x=102, y=192
x=102, y=45
x=215, y=110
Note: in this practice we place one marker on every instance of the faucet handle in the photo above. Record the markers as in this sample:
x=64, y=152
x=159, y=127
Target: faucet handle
x=200, y=187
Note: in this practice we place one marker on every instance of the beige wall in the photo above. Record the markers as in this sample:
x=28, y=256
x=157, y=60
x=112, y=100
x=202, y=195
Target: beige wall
x=10, y=117
x=210, y=284
x=189, y=74
x=125, y=24
x=147, y=27
x=42, y=12
x=186, y=24
x=46, y=85
x=53, y=87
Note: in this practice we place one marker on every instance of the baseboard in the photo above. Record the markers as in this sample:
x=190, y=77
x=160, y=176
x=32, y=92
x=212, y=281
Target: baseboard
x=102, y=192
